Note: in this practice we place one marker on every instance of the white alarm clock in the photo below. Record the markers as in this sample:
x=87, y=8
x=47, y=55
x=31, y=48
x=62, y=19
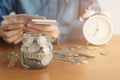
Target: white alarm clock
x=97, y=28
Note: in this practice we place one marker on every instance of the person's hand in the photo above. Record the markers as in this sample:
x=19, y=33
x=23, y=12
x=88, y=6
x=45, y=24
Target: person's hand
x=53, y=29
x=11, y=33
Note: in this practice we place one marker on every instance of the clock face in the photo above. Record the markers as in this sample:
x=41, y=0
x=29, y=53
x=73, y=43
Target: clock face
x=97, y=30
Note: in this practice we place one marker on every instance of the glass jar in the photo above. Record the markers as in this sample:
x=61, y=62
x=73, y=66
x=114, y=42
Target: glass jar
x=36, y=50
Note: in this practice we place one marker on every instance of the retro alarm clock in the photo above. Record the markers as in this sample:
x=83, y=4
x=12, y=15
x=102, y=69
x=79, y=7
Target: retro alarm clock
x=97, y=28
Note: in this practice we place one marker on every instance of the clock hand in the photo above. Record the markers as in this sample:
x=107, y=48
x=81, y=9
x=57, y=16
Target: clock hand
x=97, y=28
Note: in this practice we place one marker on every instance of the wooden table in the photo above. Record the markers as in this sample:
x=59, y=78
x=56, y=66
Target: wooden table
x=100, y=68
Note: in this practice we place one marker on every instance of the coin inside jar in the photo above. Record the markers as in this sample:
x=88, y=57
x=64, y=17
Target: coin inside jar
x=36, y=50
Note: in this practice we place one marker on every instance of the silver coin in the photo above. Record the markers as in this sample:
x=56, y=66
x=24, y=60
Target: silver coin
x=34, y=48
x=47, y=59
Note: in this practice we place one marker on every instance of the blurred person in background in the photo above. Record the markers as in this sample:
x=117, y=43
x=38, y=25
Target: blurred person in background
x=66, y=12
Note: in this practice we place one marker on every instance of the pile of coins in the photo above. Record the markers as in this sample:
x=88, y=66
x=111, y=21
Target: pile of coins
x=77, y=54
x=37, y=50
x=13, y=56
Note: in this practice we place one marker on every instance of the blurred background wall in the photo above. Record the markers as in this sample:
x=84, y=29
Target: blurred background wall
x=113, y=6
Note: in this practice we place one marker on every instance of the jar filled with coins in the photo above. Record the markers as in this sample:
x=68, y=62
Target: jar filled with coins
x=36, y=50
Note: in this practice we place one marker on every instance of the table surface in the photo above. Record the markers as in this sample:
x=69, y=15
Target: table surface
x=100, y=68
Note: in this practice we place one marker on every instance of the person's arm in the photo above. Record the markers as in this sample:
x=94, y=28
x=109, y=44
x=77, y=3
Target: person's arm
x=11, y=33
x=69, y=21
x=5, y=9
